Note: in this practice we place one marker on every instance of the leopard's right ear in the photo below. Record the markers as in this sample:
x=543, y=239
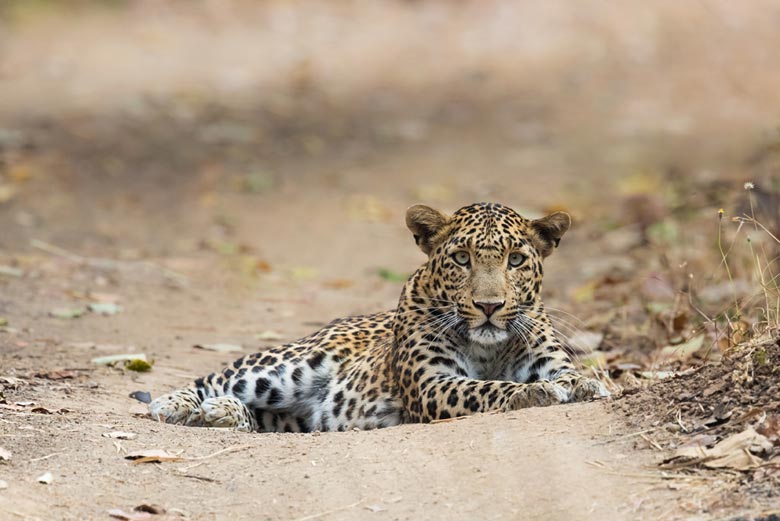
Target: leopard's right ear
x=425, y=223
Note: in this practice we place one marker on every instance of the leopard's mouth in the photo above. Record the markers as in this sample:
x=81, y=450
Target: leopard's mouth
x=488, y=334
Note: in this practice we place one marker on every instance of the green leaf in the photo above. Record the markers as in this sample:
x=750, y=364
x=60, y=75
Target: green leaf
x=392, y=276
x=104, y=308
x=67, y=312
x=138, y=365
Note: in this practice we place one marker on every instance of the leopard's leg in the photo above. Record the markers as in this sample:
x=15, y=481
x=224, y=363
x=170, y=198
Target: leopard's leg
x=227, y=412
x=180, y=407
x=440, y=388
x=556, y=368
x=548, y=361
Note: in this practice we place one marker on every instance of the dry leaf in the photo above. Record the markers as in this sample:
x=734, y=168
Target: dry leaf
x=57, y=374
x=220, y=348
x=770, y=428
x=112, y=359
x=685, y=350
x=119, y=435
x=338, y=283
x=734, y=452
x=151, y=509
x=45, y=479
x=4, y=454
x=118, y=513
x=152, y=456
x=269, y=334
x=585, y=341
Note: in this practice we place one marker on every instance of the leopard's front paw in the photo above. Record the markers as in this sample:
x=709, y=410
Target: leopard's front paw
x=538, y=394
x=179, y=407
x=227, y=412
x=587, y=389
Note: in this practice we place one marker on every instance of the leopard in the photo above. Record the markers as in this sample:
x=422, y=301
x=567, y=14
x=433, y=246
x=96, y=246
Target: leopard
x=470, y=335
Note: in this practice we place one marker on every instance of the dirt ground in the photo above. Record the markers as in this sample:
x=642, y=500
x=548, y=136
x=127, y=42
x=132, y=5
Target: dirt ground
x=253, y=209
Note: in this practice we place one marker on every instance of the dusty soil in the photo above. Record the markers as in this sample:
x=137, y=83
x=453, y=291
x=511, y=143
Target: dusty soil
x=215, y=200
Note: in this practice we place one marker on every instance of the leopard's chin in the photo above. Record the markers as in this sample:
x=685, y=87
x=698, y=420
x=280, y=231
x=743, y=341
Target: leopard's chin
x=488, y=335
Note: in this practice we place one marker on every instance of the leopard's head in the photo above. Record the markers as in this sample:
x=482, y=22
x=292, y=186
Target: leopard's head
x=484, y=265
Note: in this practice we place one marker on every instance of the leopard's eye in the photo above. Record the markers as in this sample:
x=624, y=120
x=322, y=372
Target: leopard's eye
x=516, y=259
x=462, y=257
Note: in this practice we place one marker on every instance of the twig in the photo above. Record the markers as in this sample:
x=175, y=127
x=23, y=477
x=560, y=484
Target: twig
x=327, y=512
x=624, y=436
x=651, y=442
x=56, y=250
x=223, y=451
x=46, y=457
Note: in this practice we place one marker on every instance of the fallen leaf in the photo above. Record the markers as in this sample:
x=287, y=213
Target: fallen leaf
x=433, y=193
x=67, y=312
x=81, y=345
x=3, y=321
x=141, y=396
x=151, y=456
x=391, y=276
x=105, y=297
x=659, y=375
x=151, y=509
x=12, y=382
x=10, y=271
x=585, y=292
x=139, y=366
x=368, y=208
x=303, y=273
x=118, y=513
x=45, y=479
x=683, y=351
x=104, y=308
x=269, y=334
x=220, y=348
x=119, y=435
x=770, y=428
x=4, y=454
x=112, y=359
x=257, y=182
x=585, y=341
x=735, y=452
x=7, y=192
x=338, y=283
x=57, y=374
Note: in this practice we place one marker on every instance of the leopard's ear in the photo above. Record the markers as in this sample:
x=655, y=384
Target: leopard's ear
x=549, y=231
x=425, y=223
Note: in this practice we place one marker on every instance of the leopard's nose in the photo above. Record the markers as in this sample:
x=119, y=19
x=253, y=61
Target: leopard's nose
x=488, y=308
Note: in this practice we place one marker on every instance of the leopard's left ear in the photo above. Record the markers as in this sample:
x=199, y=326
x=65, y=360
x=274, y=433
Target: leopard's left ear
x=425, y=223
x=549, y=231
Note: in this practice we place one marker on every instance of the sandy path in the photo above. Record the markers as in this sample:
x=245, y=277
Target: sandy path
x=566, y=462
x=536, y=464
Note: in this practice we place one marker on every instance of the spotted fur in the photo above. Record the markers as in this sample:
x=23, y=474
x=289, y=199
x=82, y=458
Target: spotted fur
x=470, y=334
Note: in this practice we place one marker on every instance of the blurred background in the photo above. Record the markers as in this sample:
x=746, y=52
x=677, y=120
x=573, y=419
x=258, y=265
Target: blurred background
x=283, y=140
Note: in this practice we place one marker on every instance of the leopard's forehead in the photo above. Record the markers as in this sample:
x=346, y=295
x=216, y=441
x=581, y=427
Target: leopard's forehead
x=489, y=227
